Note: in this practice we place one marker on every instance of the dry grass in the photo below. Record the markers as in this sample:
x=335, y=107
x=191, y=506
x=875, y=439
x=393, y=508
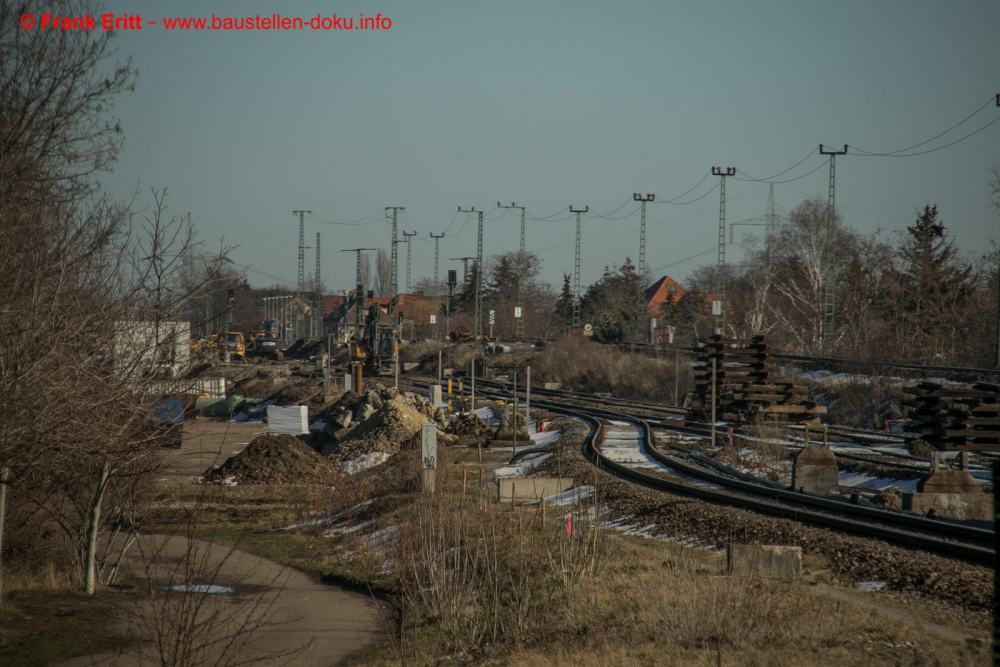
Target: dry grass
x=583, y=366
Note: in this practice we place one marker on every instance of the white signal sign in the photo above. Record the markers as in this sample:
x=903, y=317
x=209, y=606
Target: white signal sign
x=434, y=319
x=716, y=307
x=517, y=311
x=493, y=317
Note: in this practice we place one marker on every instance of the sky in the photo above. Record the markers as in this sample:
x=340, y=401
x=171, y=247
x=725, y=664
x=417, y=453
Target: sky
x=551, y=105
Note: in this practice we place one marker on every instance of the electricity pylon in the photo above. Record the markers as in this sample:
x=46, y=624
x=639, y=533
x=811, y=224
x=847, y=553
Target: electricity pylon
x=393, y=273
x=477, y=330
x=830, y=268
x=719, y=304
x=301, y=292
x=641, y=273
x=318, y=310
x=521, y=269
x=576, y=266
x=437, y=286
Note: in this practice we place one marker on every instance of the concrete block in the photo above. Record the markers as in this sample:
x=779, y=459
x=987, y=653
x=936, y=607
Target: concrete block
x=448, y=371
x=962, y=506
x=531, y=488
x=766, y=561
x=815, y=471
x=553, y=386
x=410, y=366
x=435, y=395
x=949, y=482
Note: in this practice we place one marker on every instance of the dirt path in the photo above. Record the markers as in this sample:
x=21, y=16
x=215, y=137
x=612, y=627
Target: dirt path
x=317, y=624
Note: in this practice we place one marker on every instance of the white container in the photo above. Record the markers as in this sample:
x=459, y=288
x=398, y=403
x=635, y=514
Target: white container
x=292, y=420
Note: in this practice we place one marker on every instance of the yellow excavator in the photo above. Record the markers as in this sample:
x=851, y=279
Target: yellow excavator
x=378, y=347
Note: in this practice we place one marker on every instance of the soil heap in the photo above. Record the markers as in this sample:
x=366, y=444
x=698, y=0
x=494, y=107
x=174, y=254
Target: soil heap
x=276, y=459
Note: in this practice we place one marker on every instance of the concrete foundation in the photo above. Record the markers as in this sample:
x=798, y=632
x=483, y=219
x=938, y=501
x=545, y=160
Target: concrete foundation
x=962, y=506
x=948, y=481
x=531, y=488
x=815, y=471
x=553, y=386
x=410, y=366
x=765, y=561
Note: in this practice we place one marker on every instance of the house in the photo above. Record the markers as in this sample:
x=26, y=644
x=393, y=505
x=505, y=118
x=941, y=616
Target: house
x=666, y=290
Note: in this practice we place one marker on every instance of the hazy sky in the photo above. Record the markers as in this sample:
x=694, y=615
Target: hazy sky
x=551, y=104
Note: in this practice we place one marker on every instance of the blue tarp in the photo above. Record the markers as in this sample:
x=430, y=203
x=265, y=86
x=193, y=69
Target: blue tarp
x=169, y=410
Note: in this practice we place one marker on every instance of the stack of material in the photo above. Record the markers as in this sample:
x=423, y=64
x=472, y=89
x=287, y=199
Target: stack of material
x=956, y=416
x=746, y=387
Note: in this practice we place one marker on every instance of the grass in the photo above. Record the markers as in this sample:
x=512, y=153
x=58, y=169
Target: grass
x=40, y=628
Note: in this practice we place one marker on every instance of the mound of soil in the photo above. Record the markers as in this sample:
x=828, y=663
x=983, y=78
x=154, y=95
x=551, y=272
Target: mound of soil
x=384, y=431
x=262, y=385
x=276, y=459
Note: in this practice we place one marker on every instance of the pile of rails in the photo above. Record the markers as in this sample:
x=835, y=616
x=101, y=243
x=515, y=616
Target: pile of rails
x=955, y=416
x=746, y=387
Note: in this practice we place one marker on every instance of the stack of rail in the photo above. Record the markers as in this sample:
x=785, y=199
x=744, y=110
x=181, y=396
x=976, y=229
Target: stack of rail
x=950, y=417
x=746, y=386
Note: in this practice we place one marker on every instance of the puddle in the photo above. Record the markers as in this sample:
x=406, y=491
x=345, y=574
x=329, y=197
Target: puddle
x=207, y=589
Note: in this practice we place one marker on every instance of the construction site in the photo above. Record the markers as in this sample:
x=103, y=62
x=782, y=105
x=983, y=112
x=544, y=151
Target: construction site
x=749, y=420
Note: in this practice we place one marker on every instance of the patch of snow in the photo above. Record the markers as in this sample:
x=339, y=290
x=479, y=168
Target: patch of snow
x=346, y=528
x=364, y=462
x=519, y=469
x=869, y=585
x=864, y=482
x=569, y=497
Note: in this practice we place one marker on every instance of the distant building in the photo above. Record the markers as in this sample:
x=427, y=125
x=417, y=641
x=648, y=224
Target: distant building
x=666, y=290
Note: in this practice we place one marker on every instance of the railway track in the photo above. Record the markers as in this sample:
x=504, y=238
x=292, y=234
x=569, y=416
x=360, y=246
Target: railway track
x=673, y=474
x=647, y=410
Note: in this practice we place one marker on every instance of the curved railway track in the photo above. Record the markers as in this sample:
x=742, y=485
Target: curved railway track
x=684, y=478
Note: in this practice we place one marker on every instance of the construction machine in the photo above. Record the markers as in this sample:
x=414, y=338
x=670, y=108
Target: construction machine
x=235, y=344
x=378, y=347
x=264, y=340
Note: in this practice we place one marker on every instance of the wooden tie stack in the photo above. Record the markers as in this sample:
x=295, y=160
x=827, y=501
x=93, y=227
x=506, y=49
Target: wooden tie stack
x=746, y=386
x=956, y=416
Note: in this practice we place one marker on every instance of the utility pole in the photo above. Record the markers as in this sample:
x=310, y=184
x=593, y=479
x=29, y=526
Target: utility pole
x=359, y=296
x=772, y=224
x=394, y=274
x=477, y=330
x=519, y=314
x=452, y=281
x=407, y=236
x=576, y=266
x=641, y=270
x=437, y=286
x=301, y=292
x=719, y=304
x=830, y=272
x=318, y=310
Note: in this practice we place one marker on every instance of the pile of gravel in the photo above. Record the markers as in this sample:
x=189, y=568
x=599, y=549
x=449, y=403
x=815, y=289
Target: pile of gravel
x=275, y=459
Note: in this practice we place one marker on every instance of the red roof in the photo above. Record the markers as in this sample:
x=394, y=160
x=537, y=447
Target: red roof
x=664, y=290
x=332, y=302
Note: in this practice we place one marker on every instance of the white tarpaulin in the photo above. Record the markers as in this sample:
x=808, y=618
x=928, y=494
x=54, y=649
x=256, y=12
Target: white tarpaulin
x=292, y=420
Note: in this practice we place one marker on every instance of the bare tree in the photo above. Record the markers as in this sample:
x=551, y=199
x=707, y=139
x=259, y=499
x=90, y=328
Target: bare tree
x=383, y=274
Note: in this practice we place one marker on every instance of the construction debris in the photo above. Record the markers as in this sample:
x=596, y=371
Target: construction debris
x=956, y=416
x=746, y=386
x=275, y=459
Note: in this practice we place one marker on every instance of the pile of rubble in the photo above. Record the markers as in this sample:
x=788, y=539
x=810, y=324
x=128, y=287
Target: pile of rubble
x=380, y=421
x=275, y=459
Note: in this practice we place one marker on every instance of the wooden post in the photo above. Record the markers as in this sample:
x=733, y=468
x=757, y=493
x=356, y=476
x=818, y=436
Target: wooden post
x=464, y=475
x=513, y=494
x=479, y=446
x=713, y=401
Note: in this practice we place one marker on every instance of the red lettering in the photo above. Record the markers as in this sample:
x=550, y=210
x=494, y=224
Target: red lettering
x=108, y=21
x=46, y=20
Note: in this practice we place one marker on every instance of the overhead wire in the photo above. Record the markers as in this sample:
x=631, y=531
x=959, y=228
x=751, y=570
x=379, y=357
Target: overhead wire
x=360, y=221
x=864, y=153
x=243, y=231
x=938, y=136
x=780, y=173
x=789, y=180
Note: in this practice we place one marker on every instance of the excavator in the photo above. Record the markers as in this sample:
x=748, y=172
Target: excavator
x=378, y=347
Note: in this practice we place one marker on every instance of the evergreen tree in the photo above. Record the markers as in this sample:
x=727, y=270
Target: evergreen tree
x=565, y=304
x=934, y=285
